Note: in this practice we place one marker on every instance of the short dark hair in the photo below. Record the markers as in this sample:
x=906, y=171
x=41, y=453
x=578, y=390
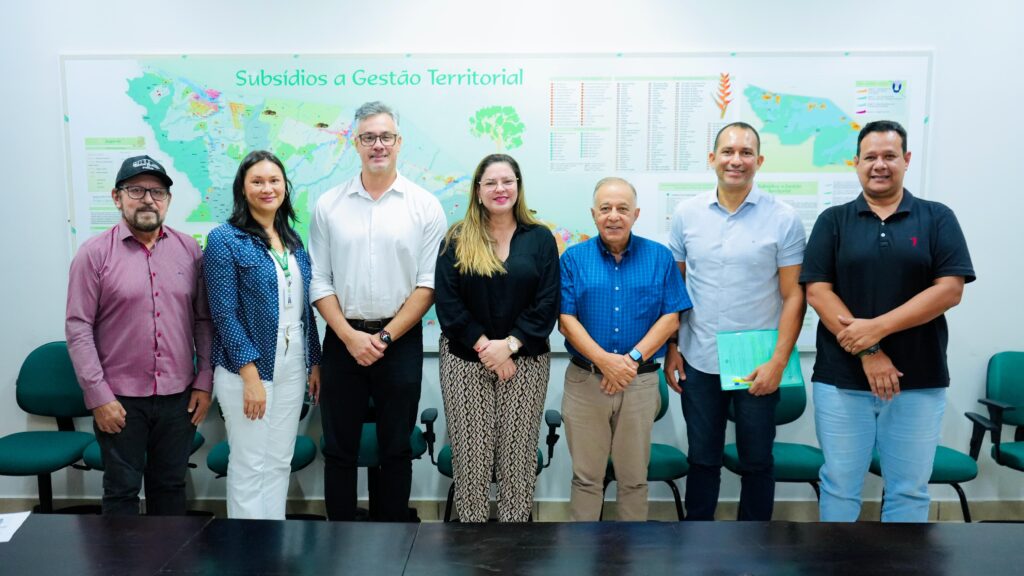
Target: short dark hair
x=742, y=125
x=284, y=219
x=883, y=126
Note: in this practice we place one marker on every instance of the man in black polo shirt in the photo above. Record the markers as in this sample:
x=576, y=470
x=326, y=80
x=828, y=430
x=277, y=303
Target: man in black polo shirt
x=881, y=271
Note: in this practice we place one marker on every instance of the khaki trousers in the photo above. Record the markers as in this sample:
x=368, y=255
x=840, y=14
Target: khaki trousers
x=598, y=426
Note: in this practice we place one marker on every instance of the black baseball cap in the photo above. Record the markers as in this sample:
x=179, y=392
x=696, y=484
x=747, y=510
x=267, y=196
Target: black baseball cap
x=136, y=165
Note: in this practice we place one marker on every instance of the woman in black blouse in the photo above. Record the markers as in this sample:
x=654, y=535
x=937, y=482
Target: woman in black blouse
x=496, y=295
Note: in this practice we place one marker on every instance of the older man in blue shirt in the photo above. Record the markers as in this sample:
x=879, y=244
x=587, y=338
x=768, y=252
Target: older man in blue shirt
x=740, y=251
x=621, y=299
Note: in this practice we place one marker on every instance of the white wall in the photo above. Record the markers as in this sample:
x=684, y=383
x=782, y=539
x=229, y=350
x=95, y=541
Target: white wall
x=972, y=164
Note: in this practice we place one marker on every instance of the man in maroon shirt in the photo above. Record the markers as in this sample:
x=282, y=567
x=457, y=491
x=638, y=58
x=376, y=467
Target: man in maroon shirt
x=138, y=330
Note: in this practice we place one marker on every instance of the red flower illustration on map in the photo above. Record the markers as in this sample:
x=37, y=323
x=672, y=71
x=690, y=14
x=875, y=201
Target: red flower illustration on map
x=722, y=99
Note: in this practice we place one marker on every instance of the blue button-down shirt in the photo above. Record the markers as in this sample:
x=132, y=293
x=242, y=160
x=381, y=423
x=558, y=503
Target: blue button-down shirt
x=241, y=282
x=732, y=267
x=618, y=302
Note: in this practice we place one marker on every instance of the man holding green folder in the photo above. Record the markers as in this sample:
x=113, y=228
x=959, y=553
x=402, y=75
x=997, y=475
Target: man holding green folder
x=739, y=250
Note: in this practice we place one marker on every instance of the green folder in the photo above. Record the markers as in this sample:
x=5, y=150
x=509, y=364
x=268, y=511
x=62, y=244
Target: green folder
x=739, y=353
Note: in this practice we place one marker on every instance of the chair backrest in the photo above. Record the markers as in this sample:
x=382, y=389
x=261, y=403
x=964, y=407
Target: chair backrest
x=663, y=392
x=1006, y=384
x=792, y=401
x=47, y=385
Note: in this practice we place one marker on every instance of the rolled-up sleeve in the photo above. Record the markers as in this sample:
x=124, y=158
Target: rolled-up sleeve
x=435, y=226
x=322, y=283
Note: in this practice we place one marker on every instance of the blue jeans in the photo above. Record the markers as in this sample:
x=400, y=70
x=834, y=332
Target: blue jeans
x=851, y=424
x=706, y=410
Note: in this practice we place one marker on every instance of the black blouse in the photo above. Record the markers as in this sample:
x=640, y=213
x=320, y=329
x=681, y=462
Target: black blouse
x=523, y=302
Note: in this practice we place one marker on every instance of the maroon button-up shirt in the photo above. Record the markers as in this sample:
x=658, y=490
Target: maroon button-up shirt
x=135, y=316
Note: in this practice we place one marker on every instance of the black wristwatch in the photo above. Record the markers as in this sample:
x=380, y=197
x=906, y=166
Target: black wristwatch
x=869, y=351
x=385, y=337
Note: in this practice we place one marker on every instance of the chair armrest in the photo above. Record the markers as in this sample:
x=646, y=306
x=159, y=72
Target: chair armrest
x=553, y=418
x=996, y=409
x=981, y=424
x=428, y=417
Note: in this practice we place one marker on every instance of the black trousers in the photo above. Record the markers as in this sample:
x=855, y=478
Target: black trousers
x=393, y=382
x=153, y=446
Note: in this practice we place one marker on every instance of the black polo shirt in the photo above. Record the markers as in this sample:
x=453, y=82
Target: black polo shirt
x=875, y=266
x=523, y=302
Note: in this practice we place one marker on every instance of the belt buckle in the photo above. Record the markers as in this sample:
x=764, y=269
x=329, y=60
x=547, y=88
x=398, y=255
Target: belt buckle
x=374, y=325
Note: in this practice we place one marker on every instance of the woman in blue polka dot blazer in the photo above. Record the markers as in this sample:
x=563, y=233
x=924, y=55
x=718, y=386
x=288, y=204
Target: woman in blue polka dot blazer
x=266, y=349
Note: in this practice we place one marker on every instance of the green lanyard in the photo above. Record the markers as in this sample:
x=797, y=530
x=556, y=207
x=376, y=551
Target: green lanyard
x=282, y=260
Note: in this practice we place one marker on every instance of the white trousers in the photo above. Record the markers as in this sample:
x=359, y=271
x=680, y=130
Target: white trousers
x=261, y=450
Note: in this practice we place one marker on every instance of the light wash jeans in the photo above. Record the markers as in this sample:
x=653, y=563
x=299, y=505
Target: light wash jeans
x=851, y=424
x=261, y=450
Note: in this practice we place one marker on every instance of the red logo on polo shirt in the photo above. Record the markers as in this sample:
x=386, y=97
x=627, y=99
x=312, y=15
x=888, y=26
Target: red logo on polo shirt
x=913, y=240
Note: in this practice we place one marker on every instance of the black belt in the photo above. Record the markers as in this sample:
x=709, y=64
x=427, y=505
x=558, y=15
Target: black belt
x=371, y=326
x=646, y=367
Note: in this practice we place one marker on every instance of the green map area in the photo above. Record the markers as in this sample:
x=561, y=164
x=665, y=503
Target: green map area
x=501, y=124
x=207, y=132
x=797, y=120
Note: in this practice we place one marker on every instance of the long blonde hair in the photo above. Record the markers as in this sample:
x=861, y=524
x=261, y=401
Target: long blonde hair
x=474, y=246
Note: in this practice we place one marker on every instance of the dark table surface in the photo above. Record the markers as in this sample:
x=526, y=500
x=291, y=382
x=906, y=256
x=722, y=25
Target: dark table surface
x=69, y=544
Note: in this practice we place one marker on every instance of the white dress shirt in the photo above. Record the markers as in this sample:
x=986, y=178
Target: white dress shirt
x=732, y=267
x=370, y=253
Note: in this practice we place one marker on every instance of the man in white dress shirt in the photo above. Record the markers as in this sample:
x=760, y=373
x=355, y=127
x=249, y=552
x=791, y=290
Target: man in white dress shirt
x=374, y=243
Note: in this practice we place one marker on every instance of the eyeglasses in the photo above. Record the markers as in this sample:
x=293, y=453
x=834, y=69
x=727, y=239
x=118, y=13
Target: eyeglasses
x=386, y=139
x=139, y=192
x=492, y=185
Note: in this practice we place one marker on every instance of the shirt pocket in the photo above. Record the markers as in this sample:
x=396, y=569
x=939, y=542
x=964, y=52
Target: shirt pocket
x=253, y=273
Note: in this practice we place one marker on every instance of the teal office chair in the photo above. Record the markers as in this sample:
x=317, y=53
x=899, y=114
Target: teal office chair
x=302, y=456
x=951, y=467
x=369, y=457
x=46, y=386
x=1004, y=398
x=667, y=463
x=798, y=463
x=94, y=459
x=443, y=462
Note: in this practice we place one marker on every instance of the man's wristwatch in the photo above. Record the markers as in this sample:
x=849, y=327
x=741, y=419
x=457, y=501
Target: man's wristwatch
x=869, y=351
x=513, y=344
x=385, y=337
x=636, y=355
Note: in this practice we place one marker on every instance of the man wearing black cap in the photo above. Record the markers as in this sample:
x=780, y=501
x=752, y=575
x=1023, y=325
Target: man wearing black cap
x=138, y=331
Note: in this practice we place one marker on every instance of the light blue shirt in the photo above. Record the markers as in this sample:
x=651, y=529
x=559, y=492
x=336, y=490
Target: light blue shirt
x=732, y=267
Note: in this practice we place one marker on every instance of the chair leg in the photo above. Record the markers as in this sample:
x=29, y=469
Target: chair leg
x=600, y=517
x=679, y=501
x=963, y=501
x=45, y=494
x=448, y=504
x=817, y=491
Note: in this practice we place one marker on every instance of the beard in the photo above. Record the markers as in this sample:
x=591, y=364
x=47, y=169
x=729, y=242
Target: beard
x=140, y=221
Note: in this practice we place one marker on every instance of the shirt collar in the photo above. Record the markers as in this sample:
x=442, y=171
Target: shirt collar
x=399, y=185
x=753, y=197
x=604, y=249
x=906, y=203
